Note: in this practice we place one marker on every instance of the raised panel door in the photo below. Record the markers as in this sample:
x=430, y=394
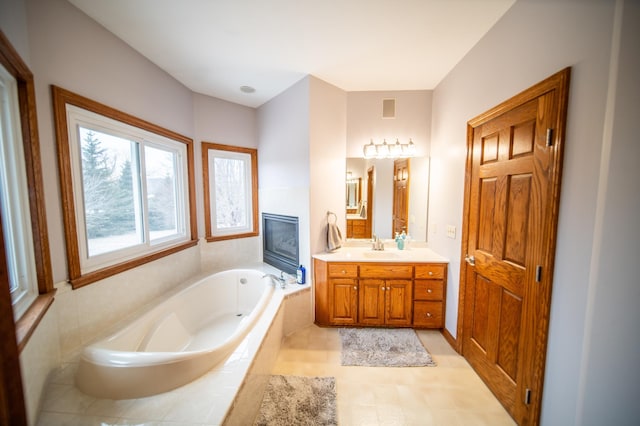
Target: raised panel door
x=343, y=301
x=371, y=302
x=511, y=204
x=398, y=302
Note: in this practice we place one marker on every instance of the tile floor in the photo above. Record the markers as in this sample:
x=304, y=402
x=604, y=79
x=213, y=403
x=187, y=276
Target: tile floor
x=449, y=394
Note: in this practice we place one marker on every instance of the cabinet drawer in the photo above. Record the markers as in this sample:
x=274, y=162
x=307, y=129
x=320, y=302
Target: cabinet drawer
x=427, y=314
x=428, y=290
x=343, y=270
x=385, y=271
x=430, y=271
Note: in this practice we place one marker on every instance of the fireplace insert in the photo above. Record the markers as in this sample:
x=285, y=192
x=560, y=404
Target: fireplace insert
x=280, y=242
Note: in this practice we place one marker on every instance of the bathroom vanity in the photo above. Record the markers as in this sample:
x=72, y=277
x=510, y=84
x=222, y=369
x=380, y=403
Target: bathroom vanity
x=358, y=286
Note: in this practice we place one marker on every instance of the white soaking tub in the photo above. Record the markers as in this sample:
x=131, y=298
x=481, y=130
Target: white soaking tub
x=177, y=341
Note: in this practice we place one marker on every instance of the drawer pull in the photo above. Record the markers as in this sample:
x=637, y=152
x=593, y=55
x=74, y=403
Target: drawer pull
x=429, y=290
x=344, y=272
x=430, y=272
x=429, y=315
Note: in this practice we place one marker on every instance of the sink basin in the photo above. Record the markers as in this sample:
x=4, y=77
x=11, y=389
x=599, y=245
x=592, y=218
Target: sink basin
x=381, y=254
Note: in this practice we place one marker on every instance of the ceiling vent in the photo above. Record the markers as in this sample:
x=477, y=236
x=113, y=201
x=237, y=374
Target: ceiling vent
x=388, y=108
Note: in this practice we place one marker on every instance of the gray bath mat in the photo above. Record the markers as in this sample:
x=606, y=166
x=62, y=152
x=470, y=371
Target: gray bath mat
x=293, y=400
x=383, y=347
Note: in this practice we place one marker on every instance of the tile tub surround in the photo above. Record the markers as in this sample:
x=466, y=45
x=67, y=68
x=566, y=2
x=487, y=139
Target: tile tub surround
x=205, y=401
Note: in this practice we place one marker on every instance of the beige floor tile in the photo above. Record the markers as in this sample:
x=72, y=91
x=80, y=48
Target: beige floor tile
x=449, y=394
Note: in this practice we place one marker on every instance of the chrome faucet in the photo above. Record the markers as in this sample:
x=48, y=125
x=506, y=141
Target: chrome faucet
x=378, y=244
x=275, y=280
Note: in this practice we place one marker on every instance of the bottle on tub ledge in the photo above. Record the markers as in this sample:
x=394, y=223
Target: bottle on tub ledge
x=301, y=275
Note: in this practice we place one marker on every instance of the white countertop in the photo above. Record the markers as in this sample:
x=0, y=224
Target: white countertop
x=389, y=254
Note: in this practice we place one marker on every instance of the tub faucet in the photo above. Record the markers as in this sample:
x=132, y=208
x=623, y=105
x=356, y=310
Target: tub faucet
x=275, y=280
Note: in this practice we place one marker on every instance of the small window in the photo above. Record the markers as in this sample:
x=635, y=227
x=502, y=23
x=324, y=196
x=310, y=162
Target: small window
x=24, y=240
x=128, y=184
x=230, y=191
x=14, y=201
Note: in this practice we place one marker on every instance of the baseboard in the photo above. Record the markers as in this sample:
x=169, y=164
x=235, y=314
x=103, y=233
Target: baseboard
x=451, y=340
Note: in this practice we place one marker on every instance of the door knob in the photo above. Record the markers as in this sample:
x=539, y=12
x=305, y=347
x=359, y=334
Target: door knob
x=470, y=260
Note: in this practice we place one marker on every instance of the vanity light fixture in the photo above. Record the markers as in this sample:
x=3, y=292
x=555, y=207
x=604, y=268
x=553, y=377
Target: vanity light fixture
x=385, y=150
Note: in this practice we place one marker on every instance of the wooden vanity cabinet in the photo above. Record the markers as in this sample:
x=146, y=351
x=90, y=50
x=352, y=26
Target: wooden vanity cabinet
x=380, y=294
x=385, y=294
x=357, y=228
x=336, y=293
x=429, y=295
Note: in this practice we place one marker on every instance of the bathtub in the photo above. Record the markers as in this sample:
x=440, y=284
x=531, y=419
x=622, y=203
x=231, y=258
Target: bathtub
x=177, y=341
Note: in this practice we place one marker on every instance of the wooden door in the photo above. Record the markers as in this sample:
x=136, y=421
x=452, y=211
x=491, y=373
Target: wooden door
x=398, y=302
x=400, y=195
x=343, y=301
x=511, y=203
x=370, y=194
x=371, y=302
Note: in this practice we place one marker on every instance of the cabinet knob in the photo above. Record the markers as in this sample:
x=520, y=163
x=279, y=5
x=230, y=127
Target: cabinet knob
x=429, y=290
x=430, y=273
x=428, y=314
x=355, y=287
x=382, y=288
x=388, y=288
x=344, y=272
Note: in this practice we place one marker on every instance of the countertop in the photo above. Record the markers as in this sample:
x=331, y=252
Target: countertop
x=389, y=254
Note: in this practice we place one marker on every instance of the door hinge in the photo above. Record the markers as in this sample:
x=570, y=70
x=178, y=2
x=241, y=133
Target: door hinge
x=549, y=137
x=527, y=396
x=538, y=273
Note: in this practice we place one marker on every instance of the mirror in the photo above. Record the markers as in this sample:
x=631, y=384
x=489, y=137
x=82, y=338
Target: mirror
x=376, y=183
x=354, y=196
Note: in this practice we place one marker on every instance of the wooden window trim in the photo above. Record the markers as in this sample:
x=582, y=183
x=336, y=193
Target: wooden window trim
x=61, y=98
x=206, y=146
x=10, y=59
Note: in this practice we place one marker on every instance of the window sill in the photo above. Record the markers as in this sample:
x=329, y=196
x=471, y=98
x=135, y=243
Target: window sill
x=27, y=324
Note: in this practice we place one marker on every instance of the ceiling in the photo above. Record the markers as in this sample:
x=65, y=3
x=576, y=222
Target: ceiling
x=214, y=47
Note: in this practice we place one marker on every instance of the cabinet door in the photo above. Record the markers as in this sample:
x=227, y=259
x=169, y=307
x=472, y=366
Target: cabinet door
x=398, y=302
x=371, y=302
x=343, y=301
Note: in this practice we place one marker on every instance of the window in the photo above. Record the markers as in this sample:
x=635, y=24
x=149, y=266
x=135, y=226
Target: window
x=24, y=240
x=230, y=191
x=16, y=217
x=125, y=186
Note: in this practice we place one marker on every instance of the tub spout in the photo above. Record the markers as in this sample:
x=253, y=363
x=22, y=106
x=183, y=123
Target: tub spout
x=276, y=280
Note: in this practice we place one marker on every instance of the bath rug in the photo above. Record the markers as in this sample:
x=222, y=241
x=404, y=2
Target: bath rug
x=294, y=400
x=383, y=347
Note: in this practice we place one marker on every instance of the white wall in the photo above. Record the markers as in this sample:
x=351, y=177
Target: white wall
x=283, y=145
x=365, y=122
x=327, y=159
x=611, y=350
x=533, y=40
x=13, y=21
